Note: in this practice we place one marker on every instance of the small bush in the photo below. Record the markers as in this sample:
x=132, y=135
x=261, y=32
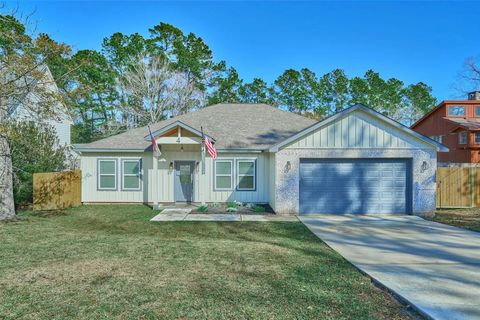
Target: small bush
x=202, y=208
x=238, y=203
x=250, y=206
x=259, y=209
x=234, y=204
x=34, y=149
x=231, y=209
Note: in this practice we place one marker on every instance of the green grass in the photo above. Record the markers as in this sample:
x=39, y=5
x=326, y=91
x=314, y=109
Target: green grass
x=463, y=218
x=110, y=262
x=202, y=208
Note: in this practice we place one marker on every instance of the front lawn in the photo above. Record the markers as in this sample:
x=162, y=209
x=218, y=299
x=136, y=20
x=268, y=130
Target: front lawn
x=464, y=218
x=104, y=262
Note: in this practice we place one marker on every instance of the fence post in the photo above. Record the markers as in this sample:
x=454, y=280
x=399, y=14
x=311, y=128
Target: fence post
x=439, y=191
x=472, y=188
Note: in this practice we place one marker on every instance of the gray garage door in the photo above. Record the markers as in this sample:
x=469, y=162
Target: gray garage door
x=354, y=186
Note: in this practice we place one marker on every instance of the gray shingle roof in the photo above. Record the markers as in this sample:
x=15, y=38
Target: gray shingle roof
x=234, y=126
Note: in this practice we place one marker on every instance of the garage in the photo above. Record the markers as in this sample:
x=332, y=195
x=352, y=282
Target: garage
x=355, y=186
x=357, y=161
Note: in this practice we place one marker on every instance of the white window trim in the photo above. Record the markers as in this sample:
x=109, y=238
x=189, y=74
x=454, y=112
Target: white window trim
x=139, y=161
x=456, y=115
x=475, y=108
x=99, y=174
x=438, y=138
x=254, y=175
x=462, y=134
x=477, y=142
x=231, y=175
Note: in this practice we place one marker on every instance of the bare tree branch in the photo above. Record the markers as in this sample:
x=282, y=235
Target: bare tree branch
x=155, y=91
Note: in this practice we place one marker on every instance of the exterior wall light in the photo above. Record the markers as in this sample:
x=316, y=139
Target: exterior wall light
x=170, y=166
x=197, y=165
x=424, y=166
x=288, y=166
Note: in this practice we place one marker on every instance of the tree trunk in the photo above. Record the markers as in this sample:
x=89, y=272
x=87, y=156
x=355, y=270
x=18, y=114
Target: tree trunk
x=7, y=205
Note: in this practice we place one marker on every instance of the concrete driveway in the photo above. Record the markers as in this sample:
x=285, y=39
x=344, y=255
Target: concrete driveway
x=434, y=267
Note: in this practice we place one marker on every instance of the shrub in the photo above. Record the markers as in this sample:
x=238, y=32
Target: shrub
x=238, y=203
x=202, y=208
x=34, y=149
x=259, y=209
x=250, y=206
x=231, y=209
x=234, y=204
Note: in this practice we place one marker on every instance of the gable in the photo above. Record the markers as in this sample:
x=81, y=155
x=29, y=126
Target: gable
x=359, y=129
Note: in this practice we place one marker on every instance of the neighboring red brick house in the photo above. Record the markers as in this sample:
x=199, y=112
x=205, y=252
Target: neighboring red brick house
x=456, y=124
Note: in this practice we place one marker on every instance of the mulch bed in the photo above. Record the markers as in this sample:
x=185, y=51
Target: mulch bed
x=222, y=209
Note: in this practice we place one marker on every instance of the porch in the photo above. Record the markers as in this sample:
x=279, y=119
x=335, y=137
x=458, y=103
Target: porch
x=186, y=215
x=179, y=175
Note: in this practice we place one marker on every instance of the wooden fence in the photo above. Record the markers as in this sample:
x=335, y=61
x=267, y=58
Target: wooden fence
x=458, y=187
x=56, y=190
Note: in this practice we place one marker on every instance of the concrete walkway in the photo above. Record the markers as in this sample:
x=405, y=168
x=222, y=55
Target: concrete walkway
x=175, y=214
x=434, y=267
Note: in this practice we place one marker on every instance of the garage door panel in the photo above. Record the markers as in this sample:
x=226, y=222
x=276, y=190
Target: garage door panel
x=354, y=186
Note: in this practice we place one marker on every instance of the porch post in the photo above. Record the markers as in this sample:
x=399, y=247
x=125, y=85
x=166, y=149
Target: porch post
x=154, y=183
x=202, y=180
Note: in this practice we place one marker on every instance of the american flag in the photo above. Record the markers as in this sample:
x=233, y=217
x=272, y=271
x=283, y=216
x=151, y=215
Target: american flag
x=210, y=148
x=155, y=148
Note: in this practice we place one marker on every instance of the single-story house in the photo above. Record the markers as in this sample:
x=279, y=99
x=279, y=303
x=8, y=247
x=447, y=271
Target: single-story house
x=356, y=161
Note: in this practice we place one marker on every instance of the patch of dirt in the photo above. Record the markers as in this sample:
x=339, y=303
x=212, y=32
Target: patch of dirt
x=92, y=271
x=49, y=213
x=465, y=218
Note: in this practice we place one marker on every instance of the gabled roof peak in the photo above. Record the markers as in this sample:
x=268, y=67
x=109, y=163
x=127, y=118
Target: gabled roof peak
x=368, y=110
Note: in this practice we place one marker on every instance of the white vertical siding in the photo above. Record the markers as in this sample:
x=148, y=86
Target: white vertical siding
x=165, y=180
x=63, y=131
x=358, y=130
x=90, y=192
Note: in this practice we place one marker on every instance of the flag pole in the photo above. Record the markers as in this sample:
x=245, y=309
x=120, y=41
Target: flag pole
x=154, y=174
x=203, y=167
x=203, y=151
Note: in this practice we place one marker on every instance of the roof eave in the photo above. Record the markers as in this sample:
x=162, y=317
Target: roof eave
x=240, y=150
x=174, y=124
x=109, y=150
x=426, y=115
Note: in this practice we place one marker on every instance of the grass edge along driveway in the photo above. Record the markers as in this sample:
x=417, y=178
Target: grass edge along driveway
x=467, y=218
x=110, y=262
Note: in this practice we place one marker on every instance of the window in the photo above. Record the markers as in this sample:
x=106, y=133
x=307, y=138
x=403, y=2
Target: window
x=246, y=174
x=477, y=111
x=437, y=138
x=107, y=174
x=223, y=174
x=462, y=137
x=456, y=111
x=131, y=170
x=477, y=137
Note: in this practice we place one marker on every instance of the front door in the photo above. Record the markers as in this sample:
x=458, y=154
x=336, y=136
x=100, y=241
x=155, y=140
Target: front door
x=184, y=181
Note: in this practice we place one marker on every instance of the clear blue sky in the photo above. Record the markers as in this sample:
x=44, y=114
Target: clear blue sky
x=413, y=41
